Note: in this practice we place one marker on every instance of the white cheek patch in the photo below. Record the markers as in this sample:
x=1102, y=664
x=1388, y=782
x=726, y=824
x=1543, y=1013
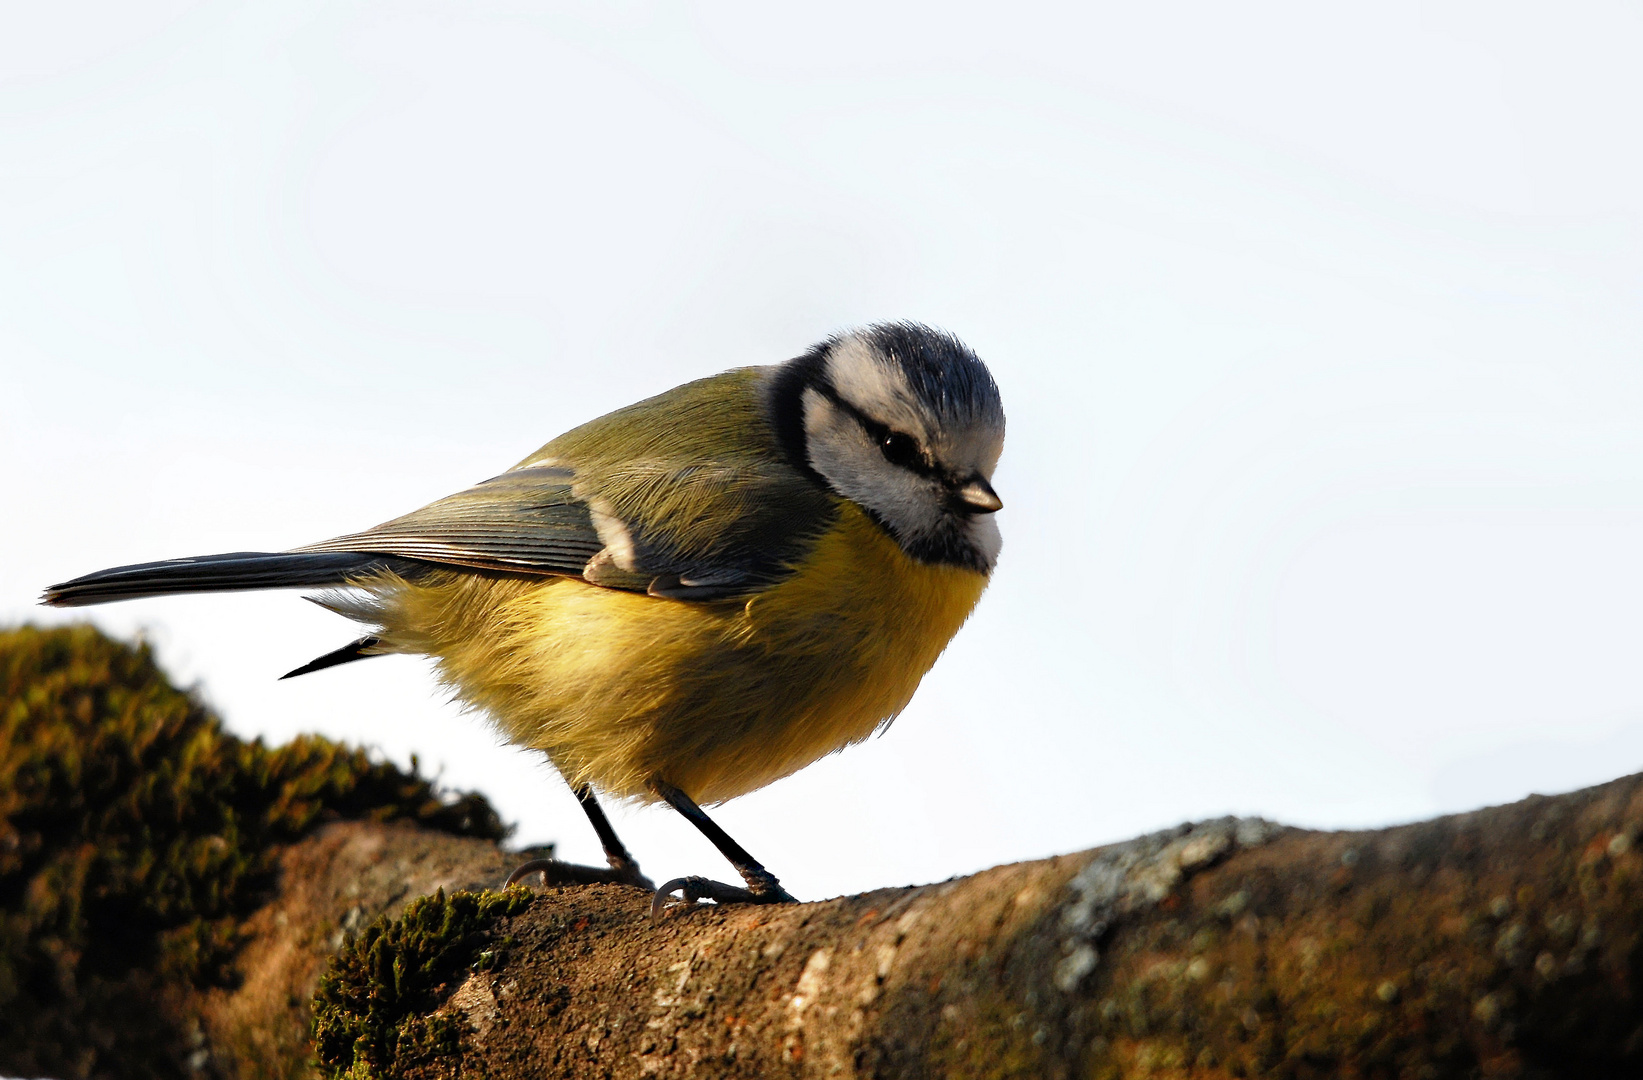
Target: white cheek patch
x=844, y=454
x=838, y=447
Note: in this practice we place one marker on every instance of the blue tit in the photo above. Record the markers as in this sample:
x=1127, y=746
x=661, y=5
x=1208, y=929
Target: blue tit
x=689, y=597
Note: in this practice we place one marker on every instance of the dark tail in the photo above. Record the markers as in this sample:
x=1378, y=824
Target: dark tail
x=354, y=650
x=226, y=573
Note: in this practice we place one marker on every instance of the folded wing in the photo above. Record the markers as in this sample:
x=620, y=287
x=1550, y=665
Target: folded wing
x=526, y=521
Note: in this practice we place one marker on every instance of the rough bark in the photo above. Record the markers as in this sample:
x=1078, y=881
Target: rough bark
x=1504, y=942
x=332, y=884
x=170, y=903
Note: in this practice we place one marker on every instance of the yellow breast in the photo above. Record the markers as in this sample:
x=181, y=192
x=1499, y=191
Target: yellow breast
x=717, y=699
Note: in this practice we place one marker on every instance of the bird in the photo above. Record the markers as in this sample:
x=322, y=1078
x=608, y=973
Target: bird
x=690, y=597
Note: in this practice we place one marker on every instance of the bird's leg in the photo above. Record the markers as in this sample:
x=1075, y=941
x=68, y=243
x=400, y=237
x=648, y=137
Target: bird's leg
x=762, y=886
x=616, y=853
x=624, y=869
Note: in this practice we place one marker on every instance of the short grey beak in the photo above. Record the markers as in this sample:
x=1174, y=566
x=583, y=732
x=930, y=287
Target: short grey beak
x=978, y=497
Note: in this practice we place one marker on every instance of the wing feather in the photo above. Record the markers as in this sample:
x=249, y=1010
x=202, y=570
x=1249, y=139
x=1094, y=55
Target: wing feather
x=524, y=521
x=686, y=495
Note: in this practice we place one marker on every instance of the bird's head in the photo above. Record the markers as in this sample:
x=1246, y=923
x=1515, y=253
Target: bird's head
x=906, y=422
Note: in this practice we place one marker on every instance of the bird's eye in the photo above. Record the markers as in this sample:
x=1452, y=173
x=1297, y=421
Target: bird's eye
x=899, y=449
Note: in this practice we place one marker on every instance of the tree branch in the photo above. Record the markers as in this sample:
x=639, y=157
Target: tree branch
x=1502, y=943
x=180, y=929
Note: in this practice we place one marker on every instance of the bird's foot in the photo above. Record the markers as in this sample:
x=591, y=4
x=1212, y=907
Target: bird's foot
x=555, y=872
x=763, y=888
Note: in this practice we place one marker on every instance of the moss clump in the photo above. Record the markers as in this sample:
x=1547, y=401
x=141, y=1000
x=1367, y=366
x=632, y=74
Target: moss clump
x=371, y=1012
x=135, y=834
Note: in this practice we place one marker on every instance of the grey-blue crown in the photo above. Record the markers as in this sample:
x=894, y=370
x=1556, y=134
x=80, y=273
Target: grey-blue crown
x=941, y=369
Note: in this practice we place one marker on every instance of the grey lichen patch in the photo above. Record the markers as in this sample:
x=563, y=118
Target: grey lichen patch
x=1138, y=874
x=1446, y=949
x=476, y=1002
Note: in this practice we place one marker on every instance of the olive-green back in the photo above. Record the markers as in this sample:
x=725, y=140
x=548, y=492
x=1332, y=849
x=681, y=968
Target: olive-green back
x=695, y=476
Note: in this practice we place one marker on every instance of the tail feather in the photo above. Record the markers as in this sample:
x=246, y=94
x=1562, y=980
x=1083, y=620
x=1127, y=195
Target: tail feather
x=363, y=649
x=226, y=573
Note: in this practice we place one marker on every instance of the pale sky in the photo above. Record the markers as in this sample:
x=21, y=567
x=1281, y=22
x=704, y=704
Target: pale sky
x=1318, y=329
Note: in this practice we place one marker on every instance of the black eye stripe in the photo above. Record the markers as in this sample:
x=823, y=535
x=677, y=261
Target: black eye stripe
x=886, y=438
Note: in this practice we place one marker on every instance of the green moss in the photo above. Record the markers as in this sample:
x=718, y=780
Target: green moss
x=135, y=834
x=371, y=1012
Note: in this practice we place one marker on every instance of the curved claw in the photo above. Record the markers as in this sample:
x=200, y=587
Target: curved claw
x=555, y=872
x=694, y=889
x=526, y=869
